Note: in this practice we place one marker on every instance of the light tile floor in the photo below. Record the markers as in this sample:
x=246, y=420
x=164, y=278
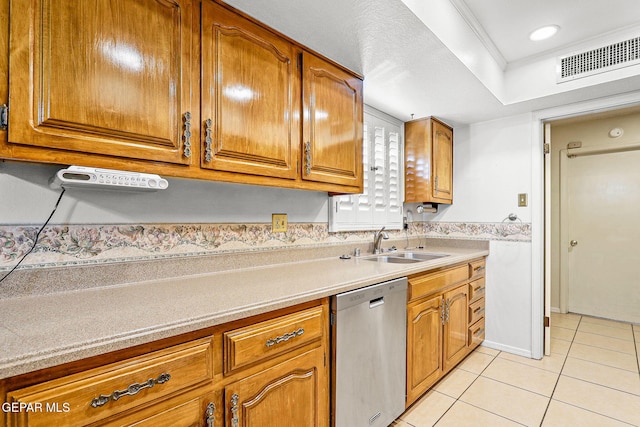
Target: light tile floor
x=591, y=379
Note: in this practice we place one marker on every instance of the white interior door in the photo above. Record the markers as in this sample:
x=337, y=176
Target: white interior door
x=600, y=212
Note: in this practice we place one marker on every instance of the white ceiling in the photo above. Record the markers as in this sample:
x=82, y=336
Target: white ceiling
x=509, y=22
x=464, y=61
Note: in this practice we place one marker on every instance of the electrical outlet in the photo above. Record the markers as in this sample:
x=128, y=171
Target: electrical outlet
x=522, y=200
x=279, y=223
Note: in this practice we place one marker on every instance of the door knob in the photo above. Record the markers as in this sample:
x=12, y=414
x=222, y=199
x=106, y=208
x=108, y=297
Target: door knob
x=574, y=243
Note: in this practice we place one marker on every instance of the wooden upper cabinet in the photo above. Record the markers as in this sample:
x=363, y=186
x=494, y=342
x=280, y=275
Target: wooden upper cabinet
x=442, y=162
x=250, y=97
x=332, y=124
x=428, y=161
x=177, y=87
x=102, y=77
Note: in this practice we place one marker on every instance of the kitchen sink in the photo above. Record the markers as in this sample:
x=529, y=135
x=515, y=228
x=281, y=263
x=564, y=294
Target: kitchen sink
x=419, y=256
x=405, y=257
x=392, y=259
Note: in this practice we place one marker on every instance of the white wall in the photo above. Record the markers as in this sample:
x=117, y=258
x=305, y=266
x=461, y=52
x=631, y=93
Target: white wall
x=26, y=198
x=492, y=164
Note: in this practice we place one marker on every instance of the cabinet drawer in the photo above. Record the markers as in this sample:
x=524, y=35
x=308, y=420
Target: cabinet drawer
x=426, y=284
x=476, y=311
x=83, y=398
x=186, y=414
x=476, y=290
x=476, y=333
x=268, y=339
x=477, y=269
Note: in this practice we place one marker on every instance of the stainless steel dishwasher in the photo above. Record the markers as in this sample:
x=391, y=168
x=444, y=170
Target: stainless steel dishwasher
x=369, y=338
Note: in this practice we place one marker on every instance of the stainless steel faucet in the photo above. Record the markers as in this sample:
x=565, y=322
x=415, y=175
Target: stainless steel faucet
x=377, y=240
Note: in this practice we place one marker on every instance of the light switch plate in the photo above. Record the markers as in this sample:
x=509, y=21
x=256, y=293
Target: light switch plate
x=279, y=223
x=522, y=200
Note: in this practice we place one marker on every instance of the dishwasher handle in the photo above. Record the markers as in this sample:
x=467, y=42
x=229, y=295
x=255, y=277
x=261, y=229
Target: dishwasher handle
x=376, y=302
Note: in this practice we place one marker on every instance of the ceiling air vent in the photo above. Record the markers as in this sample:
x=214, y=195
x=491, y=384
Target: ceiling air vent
x=600, y=60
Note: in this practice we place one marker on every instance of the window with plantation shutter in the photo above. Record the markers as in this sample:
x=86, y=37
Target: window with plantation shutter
x=380, y=203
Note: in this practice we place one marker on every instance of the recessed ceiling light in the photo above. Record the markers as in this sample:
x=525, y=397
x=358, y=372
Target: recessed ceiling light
x=544, y=32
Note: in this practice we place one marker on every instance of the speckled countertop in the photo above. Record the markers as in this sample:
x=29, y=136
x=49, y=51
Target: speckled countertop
x=46, y=330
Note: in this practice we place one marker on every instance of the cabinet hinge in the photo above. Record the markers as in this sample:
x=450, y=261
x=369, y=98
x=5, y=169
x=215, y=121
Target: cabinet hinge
x=546, y=148
x=4, y=116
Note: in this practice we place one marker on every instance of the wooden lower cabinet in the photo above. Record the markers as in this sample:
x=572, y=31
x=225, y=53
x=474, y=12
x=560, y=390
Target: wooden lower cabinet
x=455, y=327
x=186, y=382
x=443, y=323
x=291, y=393
x=424, y=338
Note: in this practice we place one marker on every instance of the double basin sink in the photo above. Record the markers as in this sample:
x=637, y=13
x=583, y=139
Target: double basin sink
x=405, y=257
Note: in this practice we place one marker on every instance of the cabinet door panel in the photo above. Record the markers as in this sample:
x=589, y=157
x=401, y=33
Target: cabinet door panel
x=417, y=161
x=105, y=77
x=293, y=393
x=251, y=97
x=424, y=347
x=442, y=162
x=332, y=126
x=456, y=326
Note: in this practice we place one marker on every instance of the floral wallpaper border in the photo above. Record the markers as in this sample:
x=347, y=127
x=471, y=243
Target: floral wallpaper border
x=64, y=245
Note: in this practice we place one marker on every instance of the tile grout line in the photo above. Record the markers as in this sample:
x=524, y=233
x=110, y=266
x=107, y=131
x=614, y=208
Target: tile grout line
x=561, y=369
x=604, y=364
x=633, y=334
x=605, y=348
x=593, y=412
x=610, y=350
x=491, y=379
x=583, y=380
x=535, y=367
x=469, y=386
x=608, y=336
x=603, y=386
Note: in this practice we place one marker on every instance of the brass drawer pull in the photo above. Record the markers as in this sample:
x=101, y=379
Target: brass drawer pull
x=478, y=332
x=478, y=310
x=307, y=158
x=4, y=117
x=479, y=290
x=208, y=140
x=234, y=410
x=211, y=411
x=285, y=337
x=479, y=268
x=187, y=135
x=133, y=389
